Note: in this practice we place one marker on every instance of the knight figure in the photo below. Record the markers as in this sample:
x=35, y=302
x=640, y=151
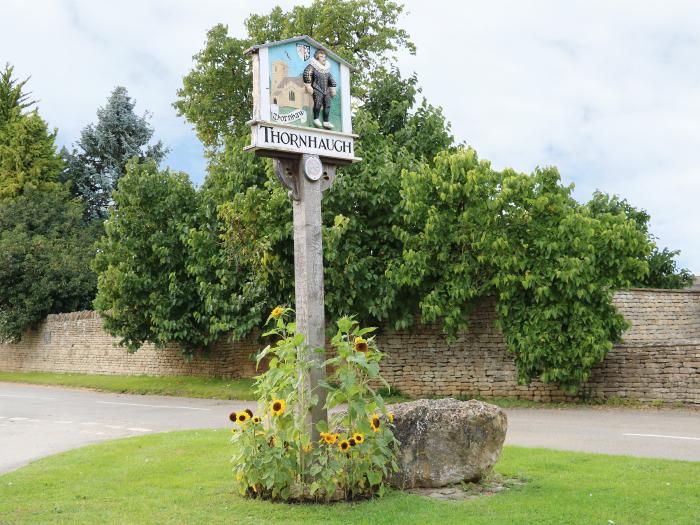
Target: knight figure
x=320, y=84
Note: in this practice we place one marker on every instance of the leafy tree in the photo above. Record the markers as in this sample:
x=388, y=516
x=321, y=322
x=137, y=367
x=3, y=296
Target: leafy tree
x=360, y=210
x=12, y=95
x=216, y=95
x=144, y=291
x=98, y=161
x=553, y=265
x=28, y=157
x=45, y=253
x=663, y=269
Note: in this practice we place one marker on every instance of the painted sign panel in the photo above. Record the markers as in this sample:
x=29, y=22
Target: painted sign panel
x=293, y=66
x=300, y=85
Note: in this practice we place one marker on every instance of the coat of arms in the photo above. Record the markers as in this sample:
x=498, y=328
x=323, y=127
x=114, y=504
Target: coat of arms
x=304, y=51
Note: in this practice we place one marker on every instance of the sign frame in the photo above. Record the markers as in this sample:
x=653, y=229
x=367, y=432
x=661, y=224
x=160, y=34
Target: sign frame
x=271, y=135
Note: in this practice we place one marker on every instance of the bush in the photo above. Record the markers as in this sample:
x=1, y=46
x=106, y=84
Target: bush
x=348, y=457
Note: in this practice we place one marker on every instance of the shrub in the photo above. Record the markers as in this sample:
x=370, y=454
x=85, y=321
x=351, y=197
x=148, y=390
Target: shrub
x=276, y=453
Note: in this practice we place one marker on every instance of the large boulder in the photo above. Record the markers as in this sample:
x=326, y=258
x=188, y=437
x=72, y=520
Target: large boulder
x=445, y=441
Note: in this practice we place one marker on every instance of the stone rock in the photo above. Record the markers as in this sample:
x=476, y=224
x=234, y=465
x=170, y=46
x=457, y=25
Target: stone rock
x=446, y=441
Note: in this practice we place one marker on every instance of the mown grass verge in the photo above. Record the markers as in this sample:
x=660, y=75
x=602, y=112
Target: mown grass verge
x=185, y=477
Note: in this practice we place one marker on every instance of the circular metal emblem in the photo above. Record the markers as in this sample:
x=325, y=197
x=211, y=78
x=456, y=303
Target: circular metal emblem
x=313, y=168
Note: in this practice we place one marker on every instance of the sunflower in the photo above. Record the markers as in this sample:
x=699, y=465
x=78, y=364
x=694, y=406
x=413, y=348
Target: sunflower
x=249, y=412
x=256, y=419
x=242, y=417
x=234, y=430
x=307, y=448
x=359, y=437
x=276, y=312
x=352, y=442
x=232, y=416
x=278, y=406
x=361, y=345
x=391, y=417
x=329, y=438
x=374, y=422
x=344, y=445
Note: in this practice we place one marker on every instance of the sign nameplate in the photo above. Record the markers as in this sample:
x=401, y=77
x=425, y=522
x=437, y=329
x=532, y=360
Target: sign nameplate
x=294, y=139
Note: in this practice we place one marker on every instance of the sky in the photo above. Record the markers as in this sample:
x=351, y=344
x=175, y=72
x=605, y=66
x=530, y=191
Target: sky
x=608, y=92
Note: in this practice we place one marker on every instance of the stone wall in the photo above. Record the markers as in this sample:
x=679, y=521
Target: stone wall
x=659, y=358
x=75, y=342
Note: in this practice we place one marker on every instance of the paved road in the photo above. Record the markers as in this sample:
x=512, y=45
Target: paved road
x=37, y=421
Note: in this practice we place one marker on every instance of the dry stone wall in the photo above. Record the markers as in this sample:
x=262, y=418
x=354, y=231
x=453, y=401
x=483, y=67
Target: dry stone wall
x=76, y=342
x=659, y=358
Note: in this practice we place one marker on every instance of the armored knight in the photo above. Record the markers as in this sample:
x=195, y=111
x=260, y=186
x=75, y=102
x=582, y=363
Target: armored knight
x=320, y=84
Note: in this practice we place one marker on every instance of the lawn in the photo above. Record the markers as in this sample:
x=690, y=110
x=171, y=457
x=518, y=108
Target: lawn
x=184, y=386
x=184, y=477
x=214, y=388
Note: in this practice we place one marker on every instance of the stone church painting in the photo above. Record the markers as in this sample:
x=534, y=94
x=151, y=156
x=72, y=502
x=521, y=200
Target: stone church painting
x=290, y=101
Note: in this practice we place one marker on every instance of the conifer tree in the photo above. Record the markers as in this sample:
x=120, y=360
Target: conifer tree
x=28, y=157
x=98, y=159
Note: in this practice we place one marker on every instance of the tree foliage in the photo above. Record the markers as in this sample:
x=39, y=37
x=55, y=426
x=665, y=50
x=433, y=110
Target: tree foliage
x=98, y=159
x=663, y=269
x=551, y=263
x=45, y=247
x=216, y=95
x=45, y=253
x=28, y=157
x=144, y=291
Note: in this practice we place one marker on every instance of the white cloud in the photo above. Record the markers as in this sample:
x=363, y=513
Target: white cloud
x=609, y=92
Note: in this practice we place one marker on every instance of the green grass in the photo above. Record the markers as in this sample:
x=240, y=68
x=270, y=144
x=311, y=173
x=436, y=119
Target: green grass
x=214, y=388
x=185, y=386
x=185, y=477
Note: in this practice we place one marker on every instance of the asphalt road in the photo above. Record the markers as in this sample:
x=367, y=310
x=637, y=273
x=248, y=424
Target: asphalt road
x=36, y=421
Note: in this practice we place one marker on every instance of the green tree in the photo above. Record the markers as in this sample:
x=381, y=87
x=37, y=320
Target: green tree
x=663, y=269
x=216, y=95
x=144, y=291
x=98, y=160
x=45, y=253
x=552, y=265
x=28, y=157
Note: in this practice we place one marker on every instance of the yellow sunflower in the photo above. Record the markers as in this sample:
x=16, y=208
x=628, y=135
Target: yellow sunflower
x=307, y=448
x=391, y=417
x=359, y=437
x=344, y=445
x=329, y=438
x=278, y=406
x=234, y=430
x=361, y=345
x=276, y=312
x=256, y=419
x=374, y=422
x=242, y=417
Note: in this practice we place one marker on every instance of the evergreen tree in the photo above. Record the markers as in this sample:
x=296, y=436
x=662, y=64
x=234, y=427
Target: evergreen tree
x=98, y=160
x=28, y=157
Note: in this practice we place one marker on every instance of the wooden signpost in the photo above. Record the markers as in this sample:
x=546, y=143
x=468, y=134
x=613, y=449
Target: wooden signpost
x=302, y=119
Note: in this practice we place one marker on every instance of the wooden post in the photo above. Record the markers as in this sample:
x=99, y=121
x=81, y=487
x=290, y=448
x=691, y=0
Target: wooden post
x=298, y=175
x=294, y=146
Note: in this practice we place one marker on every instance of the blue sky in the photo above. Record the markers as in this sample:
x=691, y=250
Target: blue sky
x=609, y=92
